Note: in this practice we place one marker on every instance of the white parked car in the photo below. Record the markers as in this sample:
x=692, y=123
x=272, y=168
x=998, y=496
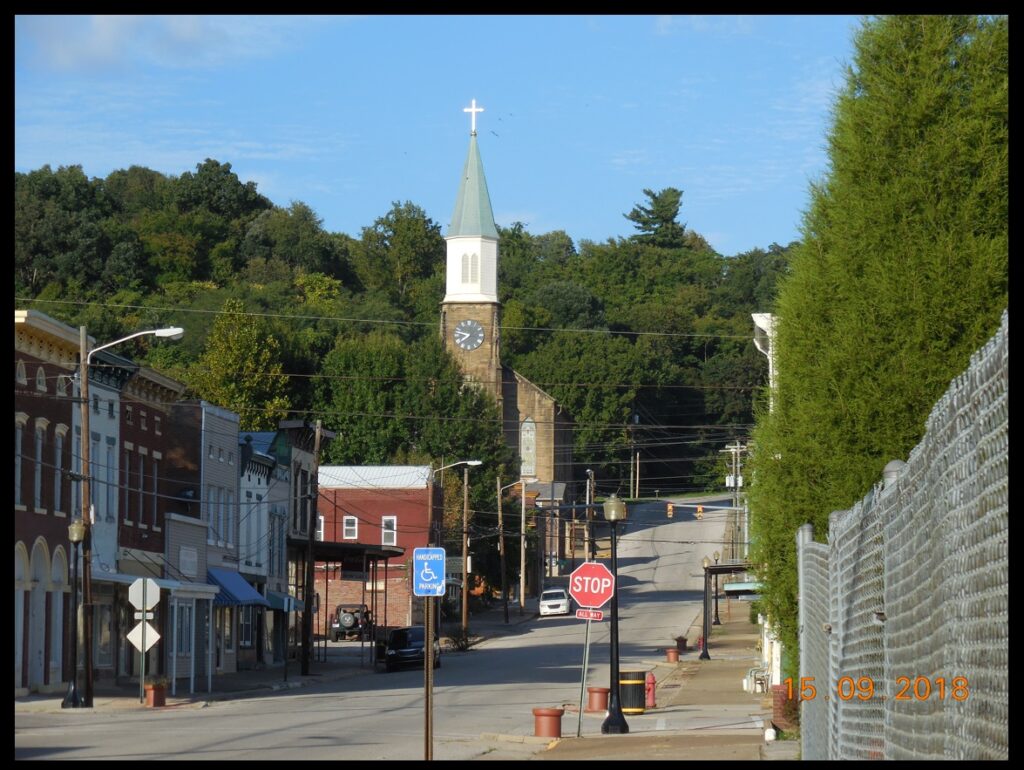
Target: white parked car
x=554, y=601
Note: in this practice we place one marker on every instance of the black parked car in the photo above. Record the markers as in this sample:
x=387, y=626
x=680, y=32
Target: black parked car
x=405, y=648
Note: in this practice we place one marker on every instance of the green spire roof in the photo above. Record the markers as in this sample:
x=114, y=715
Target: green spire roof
x=473, y=215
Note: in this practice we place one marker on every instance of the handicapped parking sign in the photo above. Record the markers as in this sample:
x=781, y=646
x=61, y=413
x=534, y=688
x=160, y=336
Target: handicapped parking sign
x=428, y=571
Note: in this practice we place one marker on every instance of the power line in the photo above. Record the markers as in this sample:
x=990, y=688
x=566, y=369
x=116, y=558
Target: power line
x=299, y=317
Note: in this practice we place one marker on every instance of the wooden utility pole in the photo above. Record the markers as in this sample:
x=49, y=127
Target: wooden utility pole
x=84, y=451
x=501, y=553
x=311, y=496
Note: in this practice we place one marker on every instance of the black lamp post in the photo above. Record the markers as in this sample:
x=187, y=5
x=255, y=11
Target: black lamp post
x=707, y=626
x=716, y=621
x=76, y=531
x=615, y=722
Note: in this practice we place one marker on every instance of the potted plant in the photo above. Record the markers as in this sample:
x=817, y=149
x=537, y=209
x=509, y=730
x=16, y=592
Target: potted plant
x=156, y=690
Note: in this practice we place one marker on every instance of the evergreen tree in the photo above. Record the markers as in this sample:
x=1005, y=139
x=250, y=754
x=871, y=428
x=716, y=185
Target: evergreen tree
x=657, y=222
x=901, y=276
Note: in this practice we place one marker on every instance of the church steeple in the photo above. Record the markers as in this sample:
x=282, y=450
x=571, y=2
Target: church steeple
x=472, y=239
x=473, y=215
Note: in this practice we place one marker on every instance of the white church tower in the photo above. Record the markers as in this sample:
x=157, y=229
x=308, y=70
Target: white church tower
x=470, y=312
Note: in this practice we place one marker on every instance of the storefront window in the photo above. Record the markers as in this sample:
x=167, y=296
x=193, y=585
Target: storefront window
x=245, y=626
x=228, y=628
x=103, y=635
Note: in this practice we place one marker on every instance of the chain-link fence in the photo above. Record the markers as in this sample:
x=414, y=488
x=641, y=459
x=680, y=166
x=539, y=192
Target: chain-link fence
x=904, y=624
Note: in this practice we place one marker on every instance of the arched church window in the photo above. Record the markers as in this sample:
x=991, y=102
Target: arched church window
x=470, y=268
x=528, y=447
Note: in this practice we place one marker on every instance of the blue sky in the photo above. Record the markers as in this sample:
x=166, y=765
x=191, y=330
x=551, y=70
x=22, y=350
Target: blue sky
x=349, y=114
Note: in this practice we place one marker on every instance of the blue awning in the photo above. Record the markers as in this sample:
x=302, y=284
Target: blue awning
x=234, y=591
x=284, y=602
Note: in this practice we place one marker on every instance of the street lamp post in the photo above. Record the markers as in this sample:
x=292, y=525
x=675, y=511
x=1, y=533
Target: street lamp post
x=716, y=621
x=615, y=722
x=85, y=358
x=707, y=626
x=76, y=531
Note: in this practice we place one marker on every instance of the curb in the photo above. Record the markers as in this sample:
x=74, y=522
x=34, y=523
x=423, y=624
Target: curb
x=530, y=739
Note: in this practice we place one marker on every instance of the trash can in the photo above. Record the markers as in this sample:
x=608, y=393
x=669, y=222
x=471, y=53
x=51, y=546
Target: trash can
x=631, y=691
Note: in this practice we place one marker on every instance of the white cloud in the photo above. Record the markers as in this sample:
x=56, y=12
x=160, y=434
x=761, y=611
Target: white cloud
x=99, y=43
x=627, y=158
x=715, y=25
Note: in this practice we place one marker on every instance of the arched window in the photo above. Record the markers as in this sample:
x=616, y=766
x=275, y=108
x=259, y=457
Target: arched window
x=20, y=418
x=19, y=374
x=58, y=466
x=470, y=268
x=40, y=380
x=58, y=588
x=40, y=442
x=62, y=385
x=528, y=447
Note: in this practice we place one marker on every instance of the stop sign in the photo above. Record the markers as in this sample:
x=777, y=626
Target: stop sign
x=591, y=584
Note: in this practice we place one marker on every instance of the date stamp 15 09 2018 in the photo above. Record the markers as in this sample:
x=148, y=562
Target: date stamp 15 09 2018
x=907, y=688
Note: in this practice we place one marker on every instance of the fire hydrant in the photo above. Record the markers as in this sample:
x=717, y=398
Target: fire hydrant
x=649, y=685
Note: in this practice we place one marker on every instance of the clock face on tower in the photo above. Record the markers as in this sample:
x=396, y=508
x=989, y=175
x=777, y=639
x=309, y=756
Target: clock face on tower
x=468, y=335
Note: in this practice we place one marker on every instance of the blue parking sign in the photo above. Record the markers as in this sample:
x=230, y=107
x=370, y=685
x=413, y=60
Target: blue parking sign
x=428, y=571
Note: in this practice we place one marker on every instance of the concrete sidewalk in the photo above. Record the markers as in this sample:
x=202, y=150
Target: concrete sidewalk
x=702, y=711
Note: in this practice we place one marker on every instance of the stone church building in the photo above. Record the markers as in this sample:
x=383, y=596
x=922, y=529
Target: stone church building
x=534, y=424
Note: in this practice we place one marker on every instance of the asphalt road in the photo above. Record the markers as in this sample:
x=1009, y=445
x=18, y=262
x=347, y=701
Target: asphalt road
x=487, y=691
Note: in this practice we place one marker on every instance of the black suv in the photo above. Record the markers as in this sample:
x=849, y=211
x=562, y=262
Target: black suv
x=349, y=619
x=405, y=648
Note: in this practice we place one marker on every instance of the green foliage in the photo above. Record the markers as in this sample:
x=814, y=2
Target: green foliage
x=608, y=367
x=217, y=189
x=902, y=274
x=111, y=249
x=403, y=245
x=240, y=369
x=657, y=222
